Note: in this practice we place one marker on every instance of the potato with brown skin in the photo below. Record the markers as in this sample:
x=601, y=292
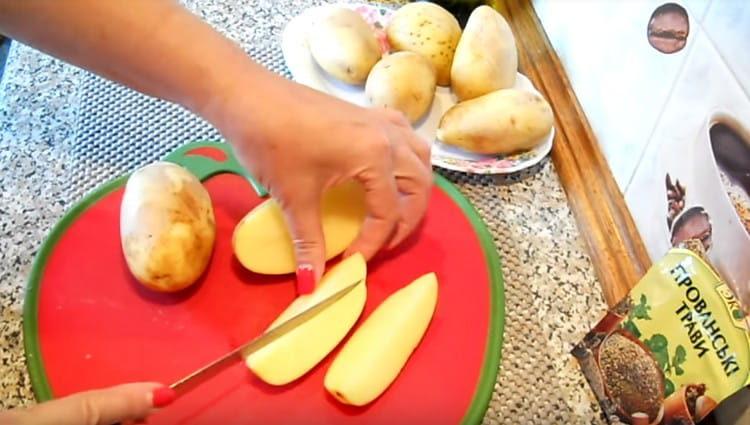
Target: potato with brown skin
x=344, y=45
x=427, y=29
x=502, y=122
x=167, y=227
x=404, y=81
x=486, y=58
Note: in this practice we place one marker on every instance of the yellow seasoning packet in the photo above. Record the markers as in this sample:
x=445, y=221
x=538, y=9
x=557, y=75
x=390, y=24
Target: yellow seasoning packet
x=671, y=350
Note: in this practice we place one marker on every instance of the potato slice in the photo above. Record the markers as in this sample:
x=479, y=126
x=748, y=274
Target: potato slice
x=262, y=242
x=294, y=354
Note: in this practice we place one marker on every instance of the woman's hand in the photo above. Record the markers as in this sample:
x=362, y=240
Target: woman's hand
x=119, y=404
x=298, y=142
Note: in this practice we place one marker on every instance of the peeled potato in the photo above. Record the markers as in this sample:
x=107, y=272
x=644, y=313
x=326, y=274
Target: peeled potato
x=167, y=226
x=294, y=354
x=486, y=59
x=427, y=29
x=375, y=355
x=502, y=122
x=344, y=45
x=262, y=242
x=404, y=81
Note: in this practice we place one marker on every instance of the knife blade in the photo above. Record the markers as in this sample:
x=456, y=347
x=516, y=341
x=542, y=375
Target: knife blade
x=263, y=340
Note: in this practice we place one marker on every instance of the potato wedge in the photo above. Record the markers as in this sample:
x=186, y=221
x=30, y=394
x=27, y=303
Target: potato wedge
x=294, y=354
x=375, y=355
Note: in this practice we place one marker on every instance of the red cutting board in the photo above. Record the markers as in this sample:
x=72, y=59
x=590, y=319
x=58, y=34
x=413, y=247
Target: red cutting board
x=89, y=324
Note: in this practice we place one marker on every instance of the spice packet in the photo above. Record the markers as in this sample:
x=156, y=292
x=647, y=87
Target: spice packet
x=671, y=350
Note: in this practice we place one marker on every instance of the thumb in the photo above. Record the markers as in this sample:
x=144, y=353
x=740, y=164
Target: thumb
x=128, y=402
x=303, y=219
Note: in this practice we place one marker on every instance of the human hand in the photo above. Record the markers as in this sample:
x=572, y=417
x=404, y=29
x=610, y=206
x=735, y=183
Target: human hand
x=298, y=142
x=119, y=404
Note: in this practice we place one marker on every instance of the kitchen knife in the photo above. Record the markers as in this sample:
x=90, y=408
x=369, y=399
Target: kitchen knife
x=261, y=341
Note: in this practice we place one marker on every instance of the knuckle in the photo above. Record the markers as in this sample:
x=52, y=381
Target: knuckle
x=391, y=215
x=294, y=201
x=134, y=405
x=388, y=212
x=397, y=117
x=404, y=230
x=88, y=411
x=280, y=193
x=379, y=146
x=420, y=181
x=306, y=245
x=427, y=178
x=423, y=149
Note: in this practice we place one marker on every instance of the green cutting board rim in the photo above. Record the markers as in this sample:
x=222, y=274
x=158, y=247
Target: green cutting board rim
x=204, y=168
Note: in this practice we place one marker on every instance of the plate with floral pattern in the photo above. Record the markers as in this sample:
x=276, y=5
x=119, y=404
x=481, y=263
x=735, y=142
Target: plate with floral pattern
x=306, y=71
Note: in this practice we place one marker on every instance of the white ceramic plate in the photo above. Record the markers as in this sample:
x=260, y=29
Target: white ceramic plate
x=306, y=71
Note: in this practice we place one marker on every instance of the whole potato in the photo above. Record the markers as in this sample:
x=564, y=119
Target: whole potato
x=427, y=29
x=404, y=81
x=344, y=45
x=501, y=122
x=486, y=59
x=167, y=226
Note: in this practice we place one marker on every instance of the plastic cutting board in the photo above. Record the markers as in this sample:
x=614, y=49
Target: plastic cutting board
x=89, y=324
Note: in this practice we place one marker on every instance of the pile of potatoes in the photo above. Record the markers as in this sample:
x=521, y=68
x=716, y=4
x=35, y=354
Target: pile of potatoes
x=429, y=49
x=167, y=223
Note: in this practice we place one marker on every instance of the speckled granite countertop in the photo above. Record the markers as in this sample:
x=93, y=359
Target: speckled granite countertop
x=46, y=127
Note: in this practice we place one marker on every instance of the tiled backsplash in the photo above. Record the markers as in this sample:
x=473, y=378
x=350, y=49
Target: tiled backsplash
x=653, y=113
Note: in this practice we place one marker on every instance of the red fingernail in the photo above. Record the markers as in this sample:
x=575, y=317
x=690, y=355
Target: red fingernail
x=305, y=279
x=163, y=396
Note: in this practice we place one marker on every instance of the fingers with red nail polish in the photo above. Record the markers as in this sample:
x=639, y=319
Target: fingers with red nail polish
x=119, y=404
x=305, y=279
x=162, y=396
